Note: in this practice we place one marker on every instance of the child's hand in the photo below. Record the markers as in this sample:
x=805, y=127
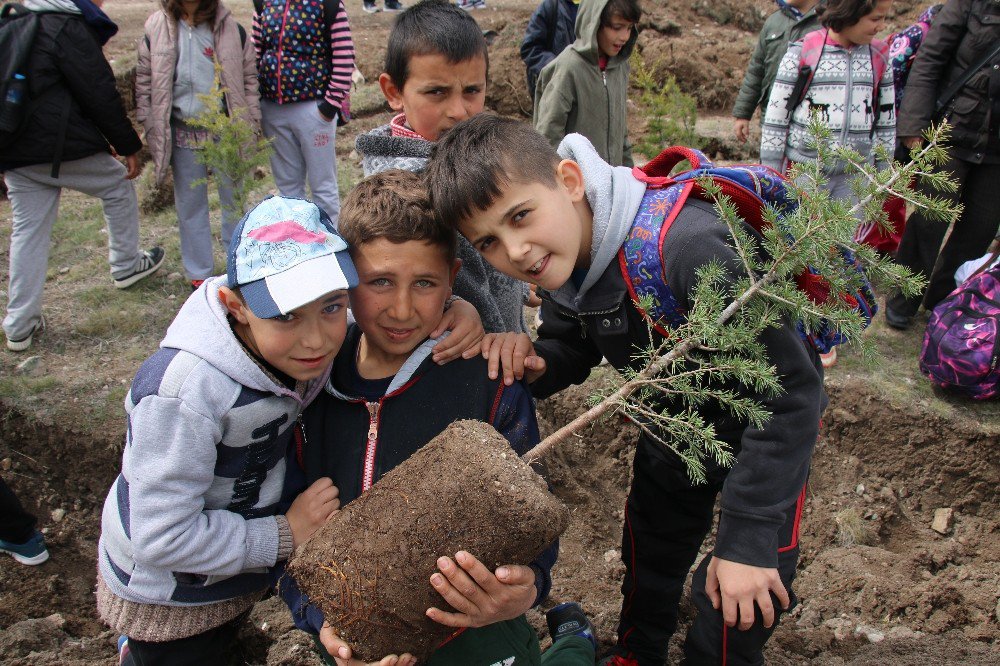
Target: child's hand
x=514, y=354
x=479, y=596
x=311, y=509
x=734, y=587
x=341, y=651
x=741, y=129
x=466, y=333
x=534, y=300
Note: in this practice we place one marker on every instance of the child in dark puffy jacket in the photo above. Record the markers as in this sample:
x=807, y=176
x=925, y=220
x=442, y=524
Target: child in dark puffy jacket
x=305, y=58
x=550, y=30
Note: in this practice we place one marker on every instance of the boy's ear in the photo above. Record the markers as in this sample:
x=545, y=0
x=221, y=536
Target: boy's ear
x=570, y=175
x=392, y=94
x=233, y=304
x=455, y=267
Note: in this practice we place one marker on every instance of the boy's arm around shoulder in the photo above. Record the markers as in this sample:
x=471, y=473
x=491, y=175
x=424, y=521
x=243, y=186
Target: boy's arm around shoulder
x=772, y=466
x=170, y=466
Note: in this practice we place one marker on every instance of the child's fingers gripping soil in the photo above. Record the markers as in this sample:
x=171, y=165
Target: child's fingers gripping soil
x=312, y=508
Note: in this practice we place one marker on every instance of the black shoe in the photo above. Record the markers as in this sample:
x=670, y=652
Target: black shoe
x=568, y=619
x=394, y=6
x=370, y=7
x=150, y=262
x=896, y=320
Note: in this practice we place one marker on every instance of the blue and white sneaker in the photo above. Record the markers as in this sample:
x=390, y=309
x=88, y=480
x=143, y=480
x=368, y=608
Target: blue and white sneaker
x=568, y=619
x=32, y=552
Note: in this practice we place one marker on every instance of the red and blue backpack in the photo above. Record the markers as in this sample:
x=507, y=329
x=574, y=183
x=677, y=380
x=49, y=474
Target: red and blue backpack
x=752, y=189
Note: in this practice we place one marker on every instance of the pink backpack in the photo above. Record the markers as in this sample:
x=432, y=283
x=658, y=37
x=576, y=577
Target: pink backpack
x=962, y=343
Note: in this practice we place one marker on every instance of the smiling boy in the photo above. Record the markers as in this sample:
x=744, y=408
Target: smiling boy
x=585, y=89
x=387, y=398
x=435, y=76
x=559, y=221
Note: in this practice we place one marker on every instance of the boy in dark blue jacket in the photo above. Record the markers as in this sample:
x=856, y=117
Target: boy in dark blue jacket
x=550, y=30
x=559, y=221
x=387, y=398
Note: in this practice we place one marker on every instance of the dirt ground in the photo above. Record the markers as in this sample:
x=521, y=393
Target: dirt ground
x=877, y=584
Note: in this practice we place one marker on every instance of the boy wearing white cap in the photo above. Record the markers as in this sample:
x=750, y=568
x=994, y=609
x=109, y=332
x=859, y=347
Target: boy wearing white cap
x=192, y=523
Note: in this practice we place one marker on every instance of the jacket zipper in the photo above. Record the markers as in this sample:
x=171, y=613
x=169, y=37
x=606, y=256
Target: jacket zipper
x=845, y=131
x=368, y=474
x=579, y=317
x=607, y=97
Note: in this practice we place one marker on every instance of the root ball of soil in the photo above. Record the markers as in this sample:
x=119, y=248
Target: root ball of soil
x=369, y=568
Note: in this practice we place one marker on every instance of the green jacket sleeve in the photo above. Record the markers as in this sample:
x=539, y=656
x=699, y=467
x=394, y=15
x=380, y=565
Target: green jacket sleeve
x=552, y=107
x=750, y=90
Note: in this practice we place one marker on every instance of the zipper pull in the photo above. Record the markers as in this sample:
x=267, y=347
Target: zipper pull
x=372, y=420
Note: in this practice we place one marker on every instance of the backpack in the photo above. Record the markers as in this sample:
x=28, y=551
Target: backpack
x=330, y=9
x=751, y=188
x=812, y=50
x=18, y=28
x=903, y=47
x=961, y=349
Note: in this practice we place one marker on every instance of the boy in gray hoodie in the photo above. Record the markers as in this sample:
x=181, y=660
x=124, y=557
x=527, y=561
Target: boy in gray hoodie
x=191, y=525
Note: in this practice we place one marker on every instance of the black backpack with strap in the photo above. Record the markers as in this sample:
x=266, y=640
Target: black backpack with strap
x=18, y=28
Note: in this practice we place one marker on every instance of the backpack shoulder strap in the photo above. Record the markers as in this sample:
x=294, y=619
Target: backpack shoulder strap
x=258, y=6
x=243, y=35
x=640, y=258
x=812, y=50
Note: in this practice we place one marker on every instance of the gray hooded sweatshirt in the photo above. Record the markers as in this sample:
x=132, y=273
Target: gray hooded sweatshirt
x=191, y=518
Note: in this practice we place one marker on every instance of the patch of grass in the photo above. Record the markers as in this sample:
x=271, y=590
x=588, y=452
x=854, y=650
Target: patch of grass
x=21, y=386
x=852, y=530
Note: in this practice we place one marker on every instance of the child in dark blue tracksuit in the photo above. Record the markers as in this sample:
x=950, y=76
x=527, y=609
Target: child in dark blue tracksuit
x=559, y=220
x=387, y=398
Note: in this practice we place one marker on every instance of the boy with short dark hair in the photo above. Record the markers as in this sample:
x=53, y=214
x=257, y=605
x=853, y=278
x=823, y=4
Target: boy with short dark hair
x=585, y=89
x=435, y=76
x=387, y=398
x=559, y=220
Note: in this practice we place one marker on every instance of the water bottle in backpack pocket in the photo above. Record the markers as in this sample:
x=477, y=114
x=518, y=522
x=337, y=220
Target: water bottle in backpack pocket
x=961, y=349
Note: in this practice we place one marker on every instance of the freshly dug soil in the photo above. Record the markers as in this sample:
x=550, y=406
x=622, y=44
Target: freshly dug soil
x=368, y=569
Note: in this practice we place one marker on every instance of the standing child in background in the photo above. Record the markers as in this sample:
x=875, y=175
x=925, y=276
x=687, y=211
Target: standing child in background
x=561, y=220
x=550, y=30
x=406, y=267
x=436, y=67
x=305, y=58
x=585, y=89
x=848, y=83
x=789, y=23
x=841, y=88
x=182, y=43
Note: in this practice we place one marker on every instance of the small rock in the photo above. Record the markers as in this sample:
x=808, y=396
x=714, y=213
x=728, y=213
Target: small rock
x=871, y=633
x=962, y=540
x=942, y=520
x=58, y=515
x=860, y=490
x=902, y=633
x=64, y=270
x=903, y=492
x=171, y=297
x=264, y=626
x=31, y=366
x=926, y=575
x=174, y=277
x=5, y=464
x=886, y=493
x=841, y=627
x=612, y=555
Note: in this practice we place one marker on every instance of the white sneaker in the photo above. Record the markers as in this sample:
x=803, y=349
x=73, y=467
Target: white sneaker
x=25, y=342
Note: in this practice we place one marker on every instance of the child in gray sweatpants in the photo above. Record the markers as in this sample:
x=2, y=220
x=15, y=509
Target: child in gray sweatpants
x=64, y=143
x=305, y=58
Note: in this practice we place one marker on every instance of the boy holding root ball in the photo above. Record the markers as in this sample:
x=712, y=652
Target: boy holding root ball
x=560, y=220
x=387, y=398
